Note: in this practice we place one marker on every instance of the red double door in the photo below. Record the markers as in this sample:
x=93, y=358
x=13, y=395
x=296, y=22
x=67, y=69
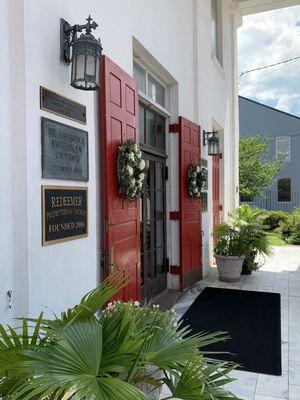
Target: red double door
x=217, y=206
x=190, y=209
x=119, y=122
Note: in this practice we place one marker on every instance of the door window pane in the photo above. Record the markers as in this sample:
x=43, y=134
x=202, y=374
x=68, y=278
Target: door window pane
x=141, y=124
x=159, y=179
x=150, y=128
x=284, y=189
x=159, y=233
x=160, y=132
x=159, y=203
x=160, y=260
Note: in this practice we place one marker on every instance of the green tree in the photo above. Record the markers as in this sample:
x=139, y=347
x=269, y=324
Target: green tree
x=257, y=171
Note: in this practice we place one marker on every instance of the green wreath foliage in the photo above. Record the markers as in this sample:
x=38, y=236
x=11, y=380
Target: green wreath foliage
x=131, y=170
x=195, y=180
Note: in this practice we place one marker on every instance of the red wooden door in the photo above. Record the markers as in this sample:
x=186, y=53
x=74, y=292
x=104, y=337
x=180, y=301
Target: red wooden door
x=190, y=209
x=119, y=122
x=216, y=190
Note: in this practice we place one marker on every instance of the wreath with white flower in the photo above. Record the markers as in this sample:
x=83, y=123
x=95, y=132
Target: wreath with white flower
x=195, y=180
x=131, y=170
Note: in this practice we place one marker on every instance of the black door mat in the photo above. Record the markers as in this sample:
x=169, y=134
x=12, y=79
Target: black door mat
x=252, y=320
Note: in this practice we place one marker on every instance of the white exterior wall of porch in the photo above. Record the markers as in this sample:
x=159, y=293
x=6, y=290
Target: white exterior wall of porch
x=56, y=276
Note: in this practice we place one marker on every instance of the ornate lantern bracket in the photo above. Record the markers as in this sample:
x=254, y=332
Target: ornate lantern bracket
x=82, y=52
x=213, y=141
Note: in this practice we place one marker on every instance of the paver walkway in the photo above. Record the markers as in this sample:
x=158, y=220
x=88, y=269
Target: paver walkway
x=280, y=274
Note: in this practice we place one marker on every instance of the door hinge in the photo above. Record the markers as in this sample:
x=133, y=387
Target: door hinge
x=166, y=172
x=174, y=215
x=105, y=225
x=173, y=128
x=175, y=269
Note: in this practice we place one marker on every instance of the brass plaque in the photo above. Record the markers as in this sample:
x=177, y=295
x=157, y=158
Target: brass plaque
x=64, y=213
x=64, y=151
x=61, y=105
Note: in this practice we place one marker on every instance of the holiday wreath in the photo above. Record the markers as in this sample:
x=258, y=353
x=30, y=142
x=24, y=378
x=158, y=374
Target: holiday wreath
x=131, y=170
x=195, y=180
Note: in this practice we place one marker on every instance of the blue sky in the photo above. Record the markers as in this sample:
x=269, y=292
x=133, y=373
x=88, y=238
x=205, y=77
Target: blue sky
x=267, y=38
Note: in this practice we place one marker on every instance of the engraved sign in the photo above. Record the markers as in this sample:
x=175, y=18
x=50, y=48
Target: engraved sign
x=64, y=151
x=60, y=105
x=64, y=213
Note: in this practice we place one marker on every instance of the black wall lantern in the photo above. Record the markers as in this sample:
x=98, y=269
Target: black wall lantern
x=212, y=138
x=85, y=54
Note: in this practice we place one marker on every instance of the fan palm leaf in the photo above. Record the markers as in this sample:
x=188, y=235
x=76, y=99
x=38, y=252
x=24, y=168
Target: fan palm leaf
x=71, y=366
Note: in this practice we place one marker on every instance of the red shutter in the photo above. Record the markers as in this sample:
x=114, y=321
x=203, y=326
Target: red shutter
x=190, y=209
x=119, y=122
x=216, y=190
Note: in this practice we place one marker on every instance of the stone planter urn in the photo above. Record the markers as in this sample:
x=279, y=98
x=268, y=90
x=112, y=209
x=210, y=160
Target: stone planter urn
x=229, y=267
x=152, y=392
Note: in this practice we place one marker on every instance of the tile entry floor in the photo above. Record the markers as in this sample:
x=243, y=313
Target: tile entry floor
x=280, y=274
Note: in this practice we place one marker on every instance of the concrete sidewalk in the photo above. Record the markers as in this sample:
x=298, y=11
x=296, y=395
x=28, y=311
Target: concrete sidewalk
x=280, y=274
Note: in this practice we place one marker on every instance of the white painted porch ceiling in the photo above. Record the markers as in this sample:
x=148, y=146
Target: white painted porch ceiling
x=256, y=6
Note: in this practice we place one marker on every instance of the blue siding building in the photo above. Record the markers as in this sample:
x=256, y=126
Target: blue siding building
x=284, y=131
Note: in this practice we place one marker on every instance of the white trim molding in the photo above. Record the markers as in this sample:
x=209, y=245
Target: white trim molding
x=256, y=6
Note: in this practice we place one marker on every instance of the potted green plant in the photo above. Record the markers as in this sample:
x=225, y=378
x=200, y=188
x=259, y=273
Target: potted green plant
x=229, y=252
x=109, y=351
x=250, y=222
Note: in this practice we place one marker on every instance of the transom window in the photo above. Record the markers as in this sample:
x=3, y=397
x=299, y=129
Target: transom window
x=152, y=128
x=284, y=189
x=149, y=85
x=283, y=148
x=216, y=30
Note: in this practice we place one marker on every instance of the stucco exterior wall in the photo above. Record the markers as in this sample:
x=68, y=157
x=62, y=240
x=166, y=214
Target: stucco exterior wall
x=177, y=34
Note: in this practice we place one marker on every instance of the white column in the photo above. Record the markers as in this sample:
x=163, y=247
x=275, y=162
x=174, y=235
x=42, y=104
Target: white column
x=13, y=172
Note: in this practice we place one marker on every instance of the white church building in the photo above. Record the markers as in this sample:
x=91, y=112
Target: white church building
x=168, y=81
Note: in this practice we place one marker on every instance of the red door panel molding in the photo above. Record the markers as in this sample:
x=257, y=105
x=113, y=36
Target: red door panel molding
x=119, y=122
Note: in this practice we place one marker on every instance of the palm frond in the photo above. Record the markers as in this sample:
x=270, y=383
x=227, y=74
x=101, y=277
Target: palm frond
x=200, y=381
x=93, y=301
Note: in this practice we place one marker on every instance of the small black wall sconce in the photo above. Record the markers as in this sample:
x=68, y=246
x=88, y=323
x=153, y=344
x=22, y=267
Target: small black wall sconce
x=212, y=139
x=85, y=54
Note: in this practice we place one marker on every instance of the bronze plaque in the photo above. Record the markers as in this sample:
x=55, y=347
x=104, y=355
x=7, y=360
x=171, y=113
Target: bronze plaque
x=64, y=213
x=64, y=151
x=60, y=105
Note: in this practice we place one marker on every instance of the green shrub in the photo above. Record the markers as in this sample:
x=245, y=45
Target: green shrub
x=273, y=219
x=295, y=236
x=290, y=228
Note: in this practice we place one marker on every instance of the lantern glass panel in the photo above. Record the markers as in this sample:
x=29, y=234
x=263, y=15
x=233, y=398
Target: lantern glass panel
x=80, y=65
x=85, y=64
x=213, y=146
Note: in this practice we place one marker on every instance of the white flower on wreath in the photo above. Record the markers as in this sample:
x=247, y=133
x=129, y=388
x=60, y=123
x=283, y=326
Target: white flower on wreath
x=194, y=183
x=131, y=156
x=140, y=185
x=129, y=170
x=195, y=174
x=135, y=147
x=198, y=169
x=132, y=182
x=139, y=154
x=142, y=165
x=141, y=176
x=196, y=190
